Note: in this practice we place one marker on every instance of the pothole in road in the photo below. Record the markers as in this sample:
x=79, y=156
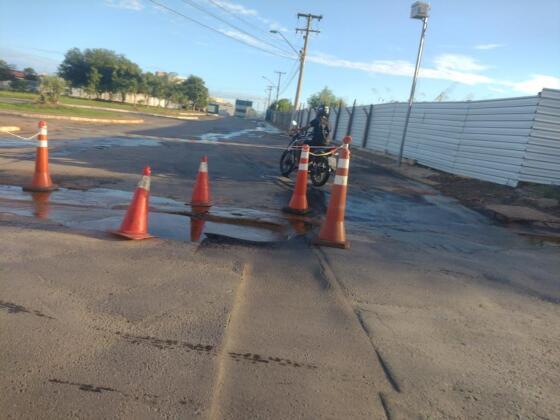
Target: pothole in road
x=102, y=209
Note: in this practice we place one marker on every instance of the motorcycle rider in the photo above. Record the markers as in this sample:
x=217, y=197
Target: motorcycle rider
x=321, y=127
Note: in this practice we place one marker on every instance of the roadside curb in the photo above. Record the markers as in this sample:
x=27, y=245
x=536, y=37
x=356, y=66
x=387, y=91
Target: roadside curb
x=125, y=111
x=67, y=118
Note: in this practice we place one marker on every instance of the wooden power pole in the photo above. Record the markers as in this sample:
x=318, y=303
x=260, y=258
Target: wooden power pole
x=303, y=52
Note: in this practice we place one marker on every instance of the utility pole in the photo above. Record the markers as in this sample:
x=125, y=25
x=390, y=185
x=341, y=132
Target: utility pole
x=269, y=90
x=280, y=73
x=303, y=52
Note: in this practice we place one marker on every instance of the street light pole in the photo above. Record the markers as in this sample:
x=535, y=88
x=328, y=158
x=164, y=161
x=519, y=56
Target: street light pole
x=419, y=11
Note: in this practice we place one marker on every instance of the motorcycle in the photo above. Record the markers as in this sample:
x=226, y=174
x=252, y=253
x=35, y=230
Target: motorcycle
x=322, y=163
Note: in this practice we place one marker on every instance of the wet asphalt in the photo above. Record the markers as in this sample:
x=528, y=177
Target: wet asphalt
x=423, y=317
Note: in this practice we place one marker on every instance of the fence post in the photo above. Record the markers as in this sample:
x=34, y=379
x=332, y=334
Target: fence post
x=337, y=120
x=351, y=121
x=308, y=116
x=368, y=123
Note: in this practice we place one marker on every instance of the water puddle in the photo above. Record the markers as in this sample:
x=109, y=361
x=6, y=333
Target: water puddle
x=103, y=210
x=105, y=142
x=15, y=142
x=249, y=132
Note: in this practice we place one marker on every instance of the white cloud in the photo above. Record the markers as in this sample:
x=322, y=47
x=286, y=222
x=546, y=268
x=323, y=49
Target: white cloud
x=456, y=68
x=458, y=62
x=488, y=46
x=535, y=84
x=247, y=39
x=135, y=5
x=496, y=89
x=239, y=9
x=236, y=8
x=23, y=59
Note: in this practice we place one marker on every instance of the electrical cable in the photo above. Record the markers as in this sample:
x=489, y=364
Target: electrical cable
x=217, y=30
x=202, y=9
x=246, y=22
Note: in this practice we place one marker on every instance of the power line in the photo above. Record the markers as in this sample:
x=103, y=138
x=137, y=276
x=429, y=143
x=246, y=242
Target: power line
x=291, y=79
x=216, y=30
x=215, y=16
x=239, y=18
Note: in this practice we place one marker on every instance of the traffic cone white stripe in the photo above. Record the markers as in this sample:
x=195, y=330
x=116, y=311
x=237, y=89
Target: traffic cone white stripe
x=42, y=131
x=43, y=143
x=341, y=180
x=144, y=183
x=203, y=167
x=343, y=163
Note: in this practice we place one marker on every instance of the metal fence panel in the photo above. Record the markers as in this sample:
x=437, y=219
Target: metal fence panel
x=542, y=160
x=500, y=140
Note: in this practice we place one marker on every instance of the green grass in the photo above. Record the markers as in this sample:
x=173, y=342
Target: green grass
x=92, y=102
x=62, y=110
x=18, y=95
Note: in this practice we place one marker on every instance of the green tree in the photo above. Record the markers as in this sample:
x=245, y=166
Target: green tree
x=30, y=74
x=50, y=89
x=19, y=85
x=74, y=68
x=283, y=105
x=196, y=92
x=324, y=97
x=6, y=71
x=93, y=81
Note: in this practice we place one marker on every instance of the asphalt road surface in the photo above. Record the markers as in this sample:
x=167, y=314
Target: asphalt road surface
x=434, y=312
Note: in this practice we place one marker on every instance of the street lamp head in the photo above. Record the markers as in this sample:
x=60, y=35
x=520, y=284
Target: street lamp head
x=419, y=10
x=273, y=31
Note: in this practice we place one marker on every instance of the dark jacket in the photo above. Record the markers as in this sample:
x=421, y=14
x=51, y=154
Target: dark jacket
x=321, y=131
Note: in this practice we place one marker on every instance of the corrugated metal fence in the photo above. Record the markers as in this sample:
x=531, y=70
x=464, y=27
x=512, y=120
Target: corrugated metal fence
x=503, y=141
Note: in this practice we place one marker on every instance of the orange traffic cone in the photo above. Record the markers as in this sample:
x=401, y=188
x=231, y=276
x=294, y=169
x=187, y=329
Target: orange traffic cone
x=197, y=226
x=197, y=222
x=333, y=232
x=41, y=204
x=201, y=192
x=135, y=223
x=41, y=181
x=298, y=203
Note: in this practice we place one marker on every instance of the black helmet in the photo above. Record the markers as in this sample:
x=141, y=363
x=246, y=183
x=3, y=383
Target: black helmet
x=323, y=110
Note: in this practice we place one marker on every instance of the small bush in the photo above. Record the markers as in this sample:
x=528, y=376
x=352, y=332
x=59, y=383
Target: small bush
x=50, y=89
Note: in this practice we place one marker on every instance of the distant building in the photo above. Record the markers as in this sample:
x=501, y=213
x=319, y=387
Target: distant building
x=225, y=107
x=213, y=108
x=17, y=74
x=243, y=108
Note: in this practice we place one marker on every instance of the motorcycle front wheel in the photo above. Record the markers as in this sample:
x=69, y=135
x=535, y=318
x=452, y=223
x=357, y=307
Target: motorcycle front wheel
x=319, y=171
x=288, y=162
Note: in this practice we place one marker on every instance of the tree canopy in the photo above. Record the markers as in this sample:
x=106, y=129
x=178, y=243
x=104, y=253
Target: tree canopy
x=282, y=105
x=324, y=97
x=5, y=71
x=99, y=70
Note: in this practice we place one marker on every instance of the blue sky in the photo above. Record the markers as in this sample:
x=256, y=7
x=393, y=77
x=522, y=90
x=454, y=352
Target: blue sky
x=475, y=49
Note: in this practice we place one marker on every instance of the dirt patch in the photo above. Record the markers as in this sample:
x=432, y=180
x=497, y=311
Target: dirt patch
x=481, y=194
